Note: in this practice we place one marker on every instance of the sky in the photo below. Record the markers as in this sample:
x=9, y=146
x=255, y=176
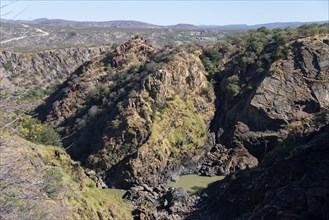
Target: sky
x=215, y=12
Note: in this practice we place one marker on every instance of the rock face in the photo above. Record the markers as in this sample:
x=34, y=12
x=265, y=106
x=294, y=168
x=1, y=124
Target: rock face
x=136, y=115
x=223, y=161
x=290, y=97
x=171, y=203
x=291, y=183
x=179, y=201
x=44, y=68
x=179, y=126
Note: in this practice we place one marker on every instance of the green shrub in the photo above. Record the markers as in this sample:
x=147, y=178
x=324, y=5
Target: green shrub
x=208, y=65
x=209, y=92
x=50, y=137
x=232, y=90
x=8, y=65
x=232, y=87
x=211, y=57
x=33, y=130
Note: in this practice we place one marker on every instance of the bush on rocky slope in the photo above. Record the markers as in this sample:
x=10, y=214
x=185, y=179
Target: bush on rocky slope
x=42, y=182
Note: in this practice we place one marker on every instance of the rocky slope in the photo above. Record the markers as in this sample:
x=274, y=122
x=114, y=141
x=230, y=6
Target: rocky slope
x=135, y=108
x=42, y=182
x=42, y=69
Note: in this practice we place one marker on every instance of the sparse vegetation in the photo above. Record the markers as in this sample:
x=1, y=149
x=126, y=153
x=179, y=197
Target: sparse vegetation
x=151, y=67
x=257, y=48
x=42, y=182
x=186, y=131
x=141, y=115
x=63, y=37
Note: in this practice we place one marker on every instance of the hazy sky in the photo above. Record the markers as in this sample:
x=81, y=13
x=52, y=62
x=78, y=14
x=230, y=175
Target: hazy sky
x=170, y=12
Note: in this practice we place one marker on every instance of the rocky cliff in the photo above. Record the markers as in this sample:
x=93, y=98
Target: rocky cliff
x=139, y=114
x=259, y=109
x=280, y=116
x=125, y=101
x=42, y=69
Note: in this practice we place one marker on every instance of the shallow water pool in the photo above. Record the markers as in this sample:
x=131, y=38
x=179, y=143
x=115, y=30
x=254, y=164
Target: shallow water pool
x=193, y=184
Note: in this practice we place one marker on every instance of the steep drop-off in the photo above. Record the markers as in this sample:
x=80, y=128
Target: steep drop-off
x=291, y=183
x=138, y=116
x=135, y=108
x=280, y=114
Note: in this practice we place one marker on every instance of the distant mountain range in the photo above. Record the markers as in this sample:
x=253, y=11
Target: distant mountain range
x=141, y=25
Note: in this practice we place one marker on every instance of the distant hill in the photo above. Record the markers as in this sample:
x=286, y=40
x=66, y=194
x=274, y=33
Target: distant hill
x=109, y=24
x=143, y=25
x=254, y=27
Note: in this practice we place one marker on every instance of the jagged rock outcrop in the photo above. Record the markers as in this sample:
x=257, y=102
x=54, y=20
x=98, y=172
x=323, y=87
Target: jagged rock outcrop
x=161, y=202
x=139, y=119
x=95, y=91
x=139, y=115
x=179, y=127
x=178, y=201
x=42, y=69
x=291, y=183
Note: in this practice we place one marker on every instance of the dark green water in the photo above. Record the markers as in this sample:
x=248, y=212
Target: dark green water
x=193, y=183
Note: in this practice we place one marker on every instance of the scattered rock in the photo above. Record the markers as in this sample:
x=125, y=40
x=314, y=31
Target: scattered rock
x=178, y=201
x=96, y=178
